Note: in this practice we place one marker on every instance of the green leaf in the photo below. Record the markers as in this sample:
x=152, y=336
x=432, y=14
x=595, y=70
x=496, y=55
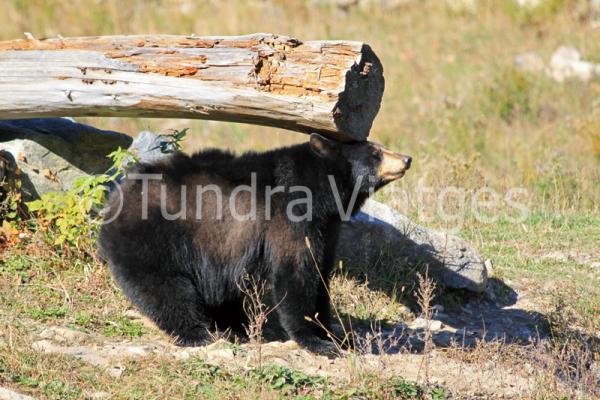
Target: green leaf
x=35, y=205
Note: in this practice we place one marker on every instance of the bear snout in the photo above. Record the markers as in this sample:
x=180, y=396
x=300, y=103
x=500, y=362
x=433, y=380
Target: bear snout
x=393, y=165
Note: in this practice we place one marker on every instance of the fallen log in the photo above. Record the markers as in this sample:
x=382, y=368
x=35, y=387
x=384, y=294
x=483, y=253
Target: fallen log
x=331, y=87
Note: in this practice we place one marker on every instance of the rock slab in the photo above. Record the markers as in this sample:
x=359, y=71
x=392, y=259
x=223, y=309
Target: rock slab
x=380, y=235
x=50, y=153
x=7, y=394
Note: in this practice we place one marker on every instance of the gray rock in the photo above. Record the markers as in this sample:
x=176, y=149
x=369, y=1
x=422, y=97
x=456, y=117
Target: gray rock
x=379, y=235
x=147, y=146
x=422, y=323
x=99, y=395
x=52, y=152
x=132, y=314
x=566, y=63
x=7, y=394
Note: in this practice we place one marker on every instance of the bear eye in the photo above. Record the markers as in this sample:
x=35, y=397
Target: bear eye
x=376, y=154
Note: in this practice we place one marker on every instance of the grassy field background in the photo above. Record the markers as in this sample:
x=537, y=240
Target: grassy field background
x=454, y=100
x=453, y=97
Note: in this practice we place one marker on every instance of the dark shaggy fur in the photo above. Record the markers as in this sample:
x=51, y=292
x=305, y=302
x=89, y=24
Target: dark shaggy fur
x=185, y=273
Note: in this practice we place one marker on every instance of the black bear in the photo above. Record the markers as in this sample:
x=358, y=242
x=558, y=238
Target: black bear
x=182, y=232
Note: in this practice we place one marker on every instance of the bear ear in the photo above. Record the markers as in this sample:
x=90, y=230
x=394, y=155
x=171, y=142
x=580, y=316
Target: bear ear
x=324, y=147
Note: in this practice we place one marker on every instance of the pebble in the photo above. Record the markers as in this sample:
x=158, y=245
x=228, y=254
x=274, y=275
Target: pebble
x=422, y=323
x=99, y=395
x=567, y=63
x=132, y=314
x=220, y=355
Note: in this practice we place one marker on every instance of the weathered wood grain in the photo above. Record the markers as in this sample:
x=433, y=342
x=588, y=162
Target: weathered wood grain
x=331, y=87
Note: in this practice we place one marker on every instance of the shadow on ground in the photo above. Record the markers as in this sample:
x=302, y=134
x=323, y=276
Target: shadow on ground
x=496, y=315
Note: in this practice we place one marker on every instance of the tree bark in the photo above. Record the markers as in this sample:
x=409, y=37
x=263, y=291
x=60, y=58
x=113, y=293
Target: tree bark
x=331, y=87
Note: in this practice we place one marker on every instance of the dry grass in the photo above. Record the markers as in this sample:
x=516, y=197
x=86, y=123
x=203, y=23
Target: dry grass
x=425, y=294
x=452, y=90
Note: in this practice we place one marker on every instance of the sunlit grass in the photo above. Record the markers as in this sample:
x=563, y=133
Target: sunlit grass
x=451, y=86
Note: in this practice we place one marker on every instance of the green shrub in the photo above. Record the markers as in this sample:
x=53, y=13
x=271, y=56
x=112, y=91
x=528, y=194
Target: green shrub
x=122, y=326
x=69, y=217
x=545, y=11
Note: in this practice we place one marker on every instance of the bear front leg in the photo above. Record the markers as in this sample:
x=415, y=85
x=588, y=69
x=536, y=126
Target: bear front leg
x=298, y=292
x=323, y=309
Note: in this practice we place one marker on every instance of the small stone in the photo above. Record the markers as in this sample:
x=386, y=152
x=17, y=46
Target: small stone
x=132, y=314
x=116, y=371
x=422, y=323
x=566, y=63
x=365, y=5
x=490, y=365
x=288, y=345
x=220, y=355
x=436, y=325
x=99, y=395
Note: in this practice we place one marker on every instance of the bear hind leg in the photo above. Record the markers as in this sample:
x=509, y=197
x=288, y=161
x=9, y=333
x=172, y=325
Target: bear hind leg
x=175, y=305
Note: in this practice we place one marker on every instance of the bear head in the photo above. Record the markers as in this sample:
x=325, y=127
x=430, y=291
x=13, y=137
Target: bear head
x=371, y=165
